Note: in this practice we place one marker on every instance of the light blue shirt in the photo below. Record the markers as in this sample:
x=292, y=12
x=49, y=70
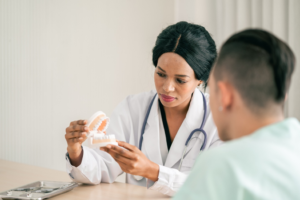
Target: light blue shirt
x=264, y=165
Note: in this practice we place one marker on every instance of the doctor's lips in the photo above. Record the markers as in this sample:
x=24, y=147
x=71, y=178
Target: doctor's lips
x=167, y=98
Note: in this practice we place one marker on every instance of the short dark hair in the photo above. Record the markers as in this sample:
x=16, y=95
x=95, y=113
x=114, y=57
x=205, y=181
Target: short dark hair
x=258, y=64
x=190, y=41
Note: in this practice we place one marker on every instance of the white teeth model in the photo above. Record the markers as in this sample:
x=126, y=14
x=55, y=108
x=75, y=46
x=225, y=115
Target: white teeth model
x=97, y=126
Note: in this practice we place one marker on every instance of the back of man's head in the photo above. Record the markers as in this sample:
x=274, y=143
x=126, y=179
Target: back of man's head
x=259, y=66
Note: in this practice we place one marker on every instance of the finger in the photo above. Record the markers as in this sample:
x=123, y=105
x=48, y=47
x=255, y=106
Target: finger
x=82, y=122
x=75, y=134
x=70, y=134
x=127, y=146
x=69, y=129
x=126, y=161
x=117, y=157
x=121, y=151
x=73, y=122
x=76, y=127
x=122, y=165
x=84, y=128
x=80, y=139
x=75, y=140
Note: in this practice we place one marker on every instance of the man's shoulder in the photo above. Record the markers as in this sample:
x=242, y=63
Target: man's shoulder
x=230, y=152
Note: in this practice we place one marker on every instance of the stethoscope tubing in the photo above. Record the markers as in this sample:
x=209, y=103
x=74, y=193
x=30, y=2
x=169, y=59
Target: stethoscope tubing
x=201, y=127
x=201, y=130
x=145, y=122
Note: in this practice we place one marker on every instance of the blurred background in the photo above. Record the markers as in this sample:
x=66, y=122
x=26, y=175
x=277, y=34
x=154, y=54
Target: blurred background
x=63, y=60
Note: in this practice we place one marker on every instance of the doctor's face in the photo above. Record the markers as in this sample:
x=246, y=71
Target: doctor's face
x=175, y=80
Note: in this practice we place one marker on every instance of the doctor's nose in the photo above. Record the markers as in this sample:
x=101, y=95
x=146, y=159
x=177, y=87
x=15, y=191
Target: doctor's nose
x=168, y=86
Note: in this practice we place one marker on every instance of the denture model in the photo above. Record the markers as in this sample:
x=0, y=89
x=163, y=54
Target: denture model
x=97, y=126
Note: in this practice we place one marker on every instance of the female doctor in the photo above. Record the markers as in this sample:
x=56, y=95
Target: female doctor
x=161, y=132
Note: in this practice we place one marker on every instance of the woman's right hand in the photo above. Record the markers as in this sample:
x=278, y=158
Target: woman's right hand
x=75, y=136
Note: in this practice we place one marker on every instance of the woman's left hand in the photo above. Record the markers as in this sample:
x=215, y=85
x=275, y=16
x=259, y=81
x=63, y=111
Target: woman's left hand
x=132, y=160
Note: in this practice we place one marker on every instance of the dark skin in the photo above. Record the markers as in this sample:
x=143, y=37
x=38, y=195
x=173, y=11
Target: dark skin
x=75, y=136
x=173, y=77
x=132, y=160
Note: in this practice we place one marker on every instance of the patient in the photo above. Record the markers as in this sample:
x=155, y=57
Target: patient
x=261, y=156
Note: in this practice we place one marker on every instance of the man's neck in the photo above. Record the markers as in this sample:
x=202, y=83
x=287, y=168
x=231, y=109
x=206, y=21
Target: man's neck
x=250, y=123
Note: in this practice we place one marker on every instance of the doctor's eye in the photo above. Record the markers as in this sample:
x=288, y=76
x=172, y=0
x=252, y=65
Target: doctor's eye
x=180, y=81
x=161, y=75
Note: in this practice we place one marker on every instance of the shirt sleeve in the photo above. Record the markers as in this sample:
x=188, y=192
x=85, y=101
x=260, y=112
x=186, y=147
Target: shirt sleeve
x=211, y=178
x=169, y=181
x=96, y=165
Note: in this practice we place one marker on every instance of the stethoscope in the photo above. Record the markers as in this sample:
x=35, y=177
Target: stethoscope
x=201, y=130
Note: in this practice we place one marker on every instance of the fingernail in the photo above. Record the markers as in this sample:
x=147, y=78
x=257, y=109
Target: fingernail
x=86, y=128
x=108, y=146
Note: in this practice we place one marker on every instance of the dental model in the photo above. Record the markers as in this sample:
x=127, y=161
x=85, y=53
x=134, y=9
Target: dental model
x=97, y=126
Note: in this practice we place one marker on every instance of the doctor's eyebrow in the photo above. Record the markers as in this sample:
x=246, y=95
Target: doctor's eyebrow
x=179, y=75
x=161, y=69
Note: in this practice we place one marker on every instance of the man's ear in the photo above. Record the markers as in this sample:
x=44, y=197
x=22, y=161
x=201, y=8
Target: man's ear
x=226, y=94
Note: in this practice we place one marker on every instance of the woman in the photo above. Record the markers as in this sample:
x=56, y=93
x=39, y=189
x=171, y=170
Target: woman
x=183, y=56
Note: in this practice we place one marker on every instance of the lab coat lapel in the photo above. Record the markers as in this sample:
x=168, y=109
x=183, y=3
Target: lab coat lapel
x=192, y=121
x=151, y=143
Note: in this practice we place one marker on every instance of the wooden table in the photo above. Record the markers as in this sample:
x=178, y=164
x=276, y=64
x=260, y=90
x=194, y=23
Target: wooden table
x=14, y=174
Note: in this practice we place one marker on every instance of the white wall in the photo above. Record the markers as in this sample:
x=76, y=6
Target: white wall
x=62, y=60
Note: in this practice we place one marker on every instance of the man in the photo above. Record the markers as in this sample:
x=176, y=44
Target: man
x=261, y=156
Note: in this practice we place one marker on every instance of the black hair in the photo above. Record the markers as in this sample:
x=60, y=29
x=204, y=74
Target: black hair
x=258, y=64
x=190, y=41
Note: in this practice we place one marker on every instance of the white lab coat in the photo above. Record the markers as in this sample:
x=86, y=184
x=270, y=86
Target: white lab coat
x=126, y=123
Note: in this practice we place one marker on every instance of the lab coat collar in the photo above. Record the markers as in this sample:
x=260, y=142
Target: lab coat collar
x=151, y=143
x=191, y=122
